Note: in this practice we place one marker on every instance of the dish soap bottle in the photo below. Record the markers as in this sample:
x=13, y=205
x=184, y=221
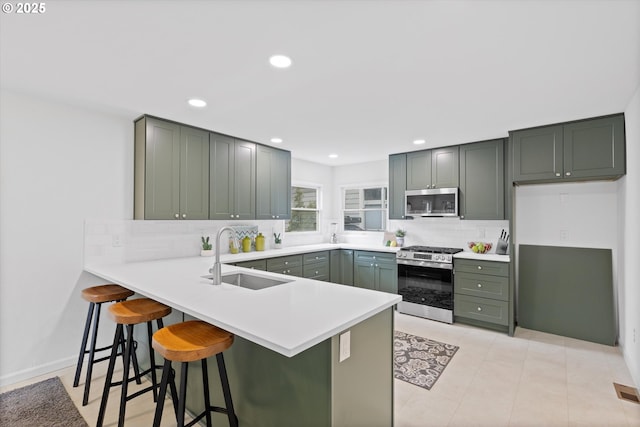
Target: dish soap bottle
x=259, y=242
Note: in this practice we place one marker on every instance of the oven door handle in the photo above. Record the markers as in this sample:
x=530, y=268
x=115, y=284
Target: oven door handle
x=414, y=263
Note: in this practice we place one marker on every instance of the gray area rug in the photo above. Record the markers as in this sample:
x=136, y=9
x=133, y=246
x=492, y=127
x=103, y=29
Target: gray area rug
x=418, y=360
x=43, y=404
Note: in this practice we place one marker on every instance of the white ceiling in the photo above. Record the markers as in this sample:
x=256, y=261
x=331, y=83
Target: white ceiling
x=368, y=77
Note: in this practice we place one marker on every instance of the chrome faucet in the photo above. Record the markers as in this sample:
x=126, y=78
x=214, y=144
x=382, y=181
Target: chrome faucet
x=217, y=267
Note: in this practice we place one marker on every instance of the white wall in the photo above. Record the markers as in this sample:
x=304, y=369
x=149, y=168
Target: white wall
x=629, y=190
x=59, y=165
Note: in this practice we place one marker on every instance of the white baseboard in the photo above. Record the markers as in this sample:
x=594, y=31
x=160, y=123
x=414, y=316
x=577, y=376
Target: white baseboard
x=36, y=371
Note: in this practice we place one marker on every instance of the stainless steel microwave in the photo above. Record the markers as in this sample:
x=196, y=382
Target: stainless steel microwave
x=431, y=202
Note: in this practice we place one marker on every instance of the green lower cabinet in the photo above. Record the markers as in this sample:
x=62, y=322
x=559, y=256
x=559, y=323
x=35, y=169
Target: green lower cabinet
x=315, y=265
x=342, y=266
x=483, y=294
x=310, y=389
x=289, y=265
x=375, y=270
x=258, y=264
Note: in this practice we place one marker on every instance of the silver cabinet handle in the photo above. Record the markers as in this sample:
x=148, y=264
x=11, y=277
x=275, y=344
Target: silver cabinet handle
x=177, y=216
x=286, y=263
x=568, y=173
x=479, y=308
x=316, y=272
x=231, y=215
x=479, y=267
x=277, y=216
x=479, y=285
x=557, y=173
x=273, y=216
x=184, y=216
x=371, y=265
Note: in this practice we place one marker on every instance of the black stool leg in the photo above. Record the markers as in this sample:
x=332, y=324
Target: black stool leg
x=166, y=373
x=83, y=346
x=233, y=419
x=134, y=360
x=207, y=398
x=183, y=393
x=107, y=382
x=94, y=338
x=125, y=375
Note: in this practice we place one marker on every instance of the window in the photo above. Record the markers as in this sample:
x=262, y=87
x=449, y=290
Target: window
x=365, y=208
x=304, y=209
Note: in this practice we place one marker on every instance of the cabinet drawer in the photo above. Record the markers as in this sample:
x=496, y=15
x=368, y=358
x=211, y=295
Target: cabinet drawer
x=482, y=285
x=373, y=257
x=288, y=270
x=258, y=264
x=285, y=262
x=317, y=272
x=495, y=268
x=315, y=257
x=483, y=309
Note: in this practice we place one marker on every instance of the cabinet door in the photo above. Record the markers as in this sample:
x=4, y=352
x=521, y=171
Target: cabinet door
x=334, y=262
x=537, y=154
x=346, y=267
x=482, y=180
x=444, y=167
x=221, y=202
x=273, y=183
x=364, y=275
x=419, y=170
x=397, y=185
x=194, y=173
x=244, y=180
x=162, y=170
x=387, y=277
x=281, y=187
x=594, y=148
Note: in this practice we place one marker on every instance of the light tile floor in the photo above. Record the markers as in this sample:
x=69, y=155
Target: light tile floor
x=532, y=379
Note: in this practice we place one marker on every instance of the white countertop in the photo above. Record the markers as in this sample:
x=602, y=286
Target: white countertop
x=287, y=318
x=482, y=257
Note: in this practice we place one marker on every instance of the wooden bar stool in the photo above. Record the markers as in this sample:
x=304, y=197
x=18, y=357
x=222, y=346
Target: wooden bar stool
x=130, y=313
x=96, y=295
x=188, y=342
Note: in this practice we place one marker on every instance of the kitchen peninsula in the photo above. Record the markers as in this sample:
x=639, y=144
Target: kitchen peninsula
x=285, y=365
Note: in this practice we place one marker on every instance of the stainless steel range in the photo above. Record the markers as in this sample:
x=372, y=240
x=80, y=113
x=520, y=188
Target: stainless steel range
x=425, y=281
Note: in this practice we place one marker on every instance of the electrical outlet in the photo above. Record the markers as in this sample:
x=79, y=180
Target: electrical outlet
x=564, y=234
x=345, y=346
x=116, y=240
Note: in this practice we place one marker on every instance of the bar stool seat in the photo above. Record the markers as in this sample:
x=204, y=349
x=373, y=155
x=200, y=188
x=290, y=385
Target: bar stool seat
x=96, y=296
x=189, y=342
x=129, y=313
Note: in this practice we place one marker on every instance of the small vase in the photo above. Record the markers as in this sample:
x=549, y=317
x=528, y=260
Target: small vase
x=399, y=241
x=206, y=252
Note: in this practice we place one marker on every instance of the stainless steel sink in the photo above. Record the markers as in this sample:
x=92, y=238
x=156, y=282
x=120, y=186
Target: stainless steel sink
x=250, y=281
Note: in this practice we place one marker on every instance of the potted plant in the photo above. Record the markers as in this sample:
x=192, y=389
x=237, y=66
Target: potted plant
x=400, y=233
x=207, y=248
x=277, y=240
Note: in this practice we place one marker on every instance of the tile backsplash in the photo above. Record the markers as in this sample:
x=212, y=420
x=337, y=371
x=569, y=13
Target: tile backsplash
x=111, y=241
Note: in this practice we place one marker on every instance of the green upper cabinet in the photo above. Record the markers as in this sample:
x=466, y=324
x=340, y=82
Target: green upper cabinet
x=587, y=149
x=273, y=187
x=171, y=178
x=233, y=178
x=436, y=168
x=482, y=172
x=397, y=185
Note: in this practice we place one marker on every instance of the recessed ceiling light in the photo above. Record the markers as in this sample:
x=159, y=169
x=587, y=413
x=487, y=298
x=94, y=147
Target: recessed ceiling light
x=276, y=140
x=280, y=61
x=333, y=156
x=194, y=102
x=419, y=141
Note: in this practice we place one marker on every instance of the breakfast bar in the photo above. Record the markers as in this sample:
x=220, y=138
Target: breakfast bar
x=306, y=352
